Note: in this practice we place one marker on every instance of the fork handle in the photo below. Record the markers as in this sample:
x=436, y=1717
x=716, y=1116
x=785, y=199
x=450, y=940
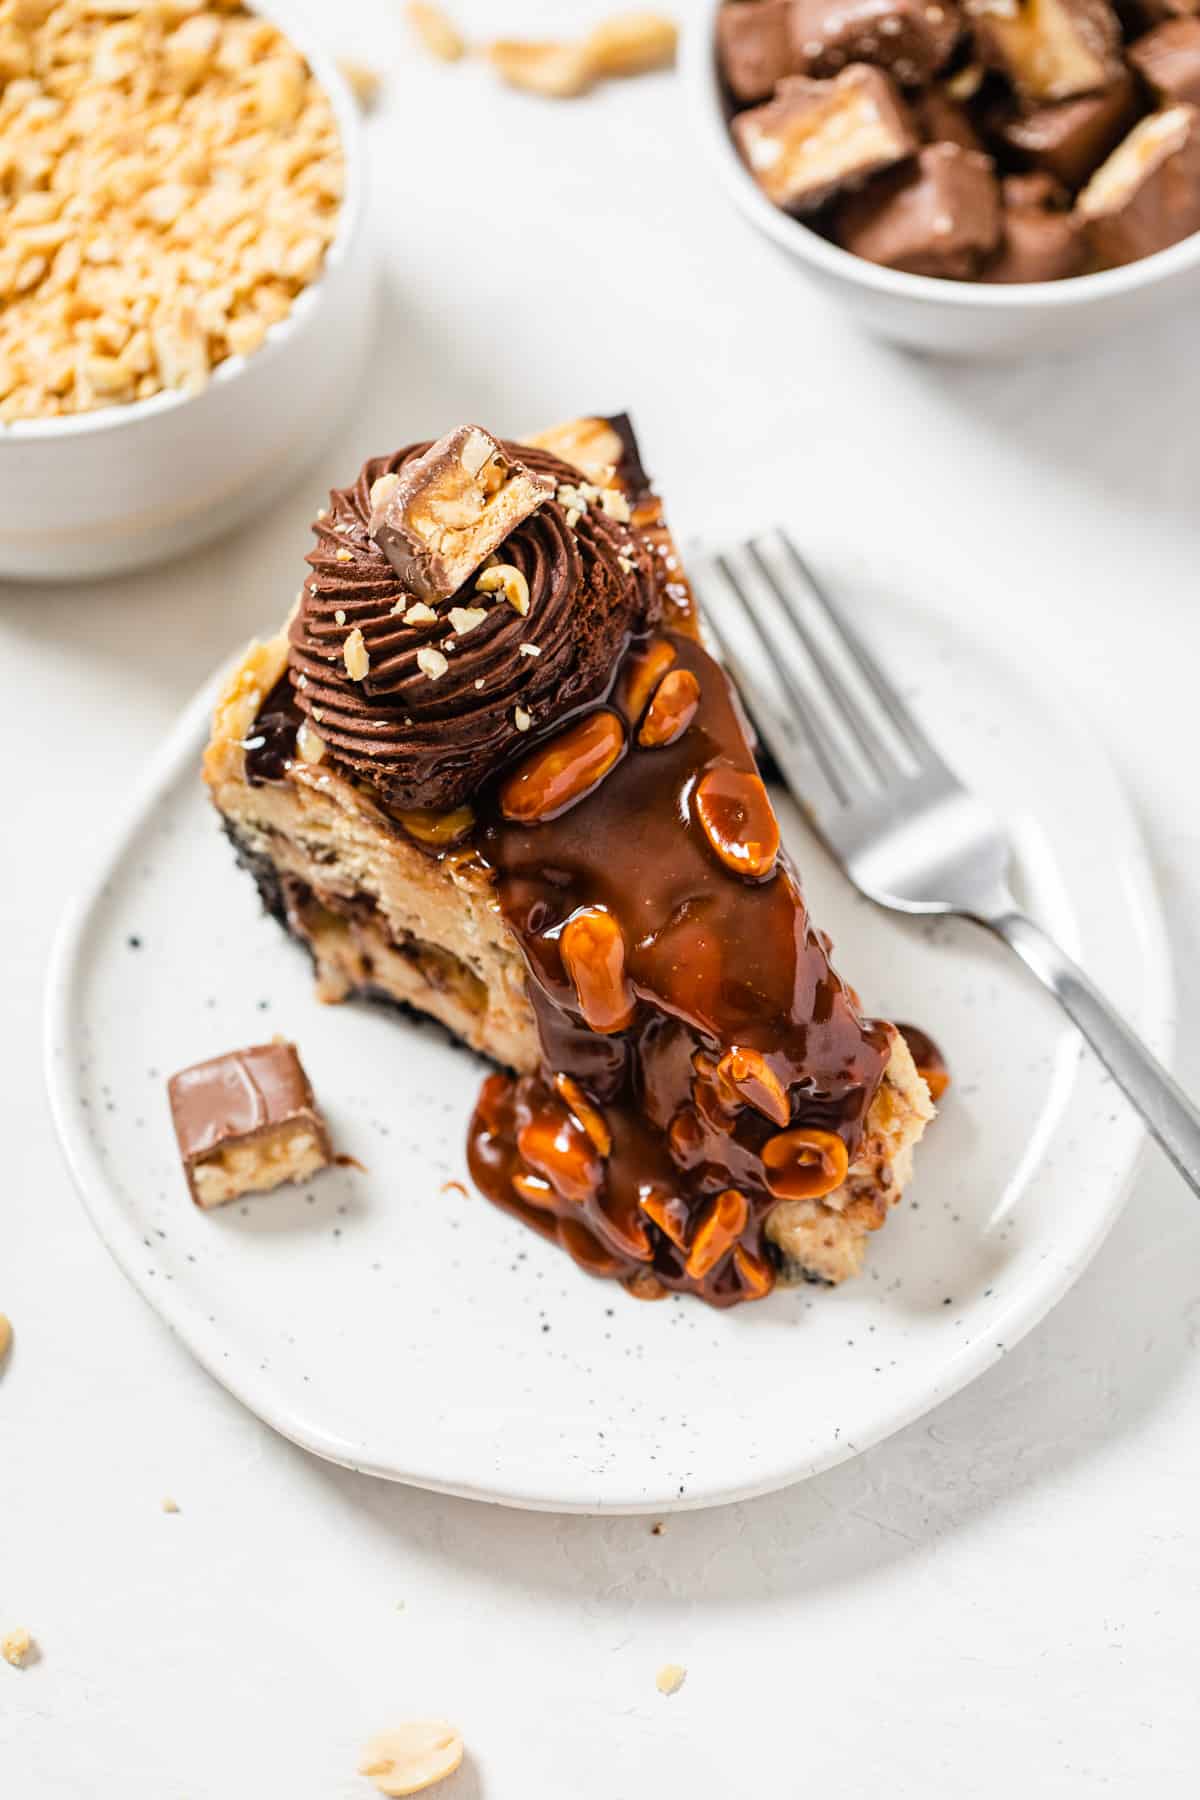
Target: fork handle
x=1169, y=1114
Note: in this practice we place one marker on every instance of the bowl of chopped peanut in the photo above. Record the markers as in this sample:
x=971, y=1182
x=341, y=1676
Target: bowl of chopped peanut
x=185, y=286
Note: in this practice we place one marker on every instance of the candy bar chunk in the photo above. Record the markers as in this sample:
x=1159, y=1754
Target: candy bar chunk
x=1070, y=138
x=817, y=137
x=941, y=119
x=754, y=47
x=1040, y=239
x=245, y=1122
x=444, y=513
x=1049, y=49
x=1147, y=195
x=912, y=38
x=1168, y=60
x=939, y=215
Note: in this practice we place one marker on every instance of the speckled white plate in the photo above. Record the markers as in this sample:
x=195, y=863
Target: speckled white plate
x=393, y=1321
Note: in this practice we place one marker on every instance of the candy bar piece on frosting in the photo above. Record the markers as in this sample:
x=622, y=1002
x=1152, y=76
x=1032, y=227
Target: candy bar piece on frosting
x=939, y=215
x=1147, y=195
x=1070, y=138
x=1041, y=239
x=754, y=47
x=440, y=518
x=1168, y=60
x=818, y=137
x=1049, y=49
x=912, y=38
x=247, y=1121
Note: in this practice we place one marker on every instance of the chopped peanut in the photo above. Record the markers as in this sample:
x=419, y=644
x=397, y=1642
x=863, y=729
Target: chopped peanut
x=170, y=179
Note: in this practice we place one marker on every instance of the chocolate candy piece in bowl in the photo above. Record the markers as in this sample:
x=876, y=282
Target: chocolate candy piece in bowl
x=180, y=325
x=882, y=146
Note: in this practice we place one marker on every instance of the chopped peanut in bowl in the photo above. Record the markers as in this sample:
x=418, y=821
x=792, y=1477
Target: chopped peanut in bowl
x=170, y=180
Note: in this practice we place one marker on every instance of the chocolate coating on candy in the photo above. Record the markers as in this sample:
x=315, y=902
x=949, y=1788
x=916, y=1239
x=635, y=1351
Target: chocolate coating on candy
x=1146, y=197
x=720, y=1022
x=1041, y=240
x=238, y=1098
x=931, y=1064
x=430, y=742
x=755, y=47
x=938, y=215
x=1069, y=138
x=815, y=138
x=1168, y=60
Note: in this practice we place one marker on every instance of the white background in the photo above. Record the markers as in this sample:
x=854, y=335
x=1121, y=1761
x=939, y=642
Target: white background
x=1002, y=1598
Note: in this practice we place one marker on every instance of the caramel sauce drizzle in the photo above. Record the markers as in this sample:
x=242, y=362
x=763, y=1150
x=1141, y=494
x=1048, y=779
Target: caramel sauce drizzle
x=701, y=1059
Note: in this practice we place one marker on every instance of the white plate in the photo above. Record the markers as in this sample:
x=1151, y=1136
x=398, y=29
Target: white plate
x=409, y=1329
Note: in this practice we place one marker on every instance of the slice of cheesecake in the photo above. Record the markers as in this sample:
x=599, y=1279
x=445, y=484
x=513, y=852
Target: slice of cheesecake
x=489, y=771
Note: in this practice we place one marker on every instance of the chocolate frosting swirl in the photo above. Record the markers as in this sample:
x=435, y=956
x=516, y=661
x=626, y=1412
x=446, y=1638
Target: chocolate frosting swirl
x=430, y=743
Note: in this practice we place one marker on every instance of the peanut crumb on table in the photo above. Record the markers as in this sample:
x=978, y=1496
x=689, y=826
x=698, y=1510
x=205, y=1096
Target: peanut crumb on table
x=17, y=1647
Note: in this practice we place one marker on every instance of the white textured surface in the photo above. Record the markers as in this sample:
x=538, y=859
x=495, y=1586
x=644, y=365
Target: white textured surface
x=351, y=1313
x=1000, y=1599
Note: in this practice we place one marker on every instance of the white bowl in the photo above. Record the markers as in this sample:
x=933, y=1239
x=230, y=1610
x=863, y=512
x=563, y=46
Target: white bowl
x=102, y=492
x=951, y=318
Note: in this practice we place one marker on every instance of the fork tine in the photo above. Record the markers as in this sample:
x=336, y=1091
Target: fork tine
x=855, y=719
x=800, y=715
x=887, y=696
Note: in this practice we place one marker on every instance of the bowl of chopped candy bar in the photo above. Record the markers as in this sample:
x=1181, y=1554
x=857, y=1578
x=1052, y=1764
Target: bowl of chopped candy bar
x=185, y=290
x=970, y=177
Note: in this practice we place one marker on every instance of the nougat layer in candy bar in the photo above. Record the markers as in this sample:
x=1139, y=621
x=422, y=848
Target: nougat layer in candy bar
x=939, y=215
x=1049, y=49
x=1146, y=197
x=818, y=137
x=442, y=515
x=245, y=1122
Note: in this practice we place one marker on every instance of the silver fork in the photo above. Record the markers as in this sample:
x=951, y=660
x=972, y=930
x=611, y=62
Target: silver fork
x=903, y=827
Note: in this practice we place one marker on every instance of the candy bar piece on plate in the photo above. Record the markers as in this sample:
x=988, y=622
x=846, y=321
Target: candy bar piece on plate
x=1049, y=49
x=559, y=846
x=938, y=215
x=440, y=518
x=1041, y=239
x=818, y=137
x=1071, y=138
x=911, y=38
x=247, y=1121
x=1168, y=60
x=1147, y=195
x=754, y=47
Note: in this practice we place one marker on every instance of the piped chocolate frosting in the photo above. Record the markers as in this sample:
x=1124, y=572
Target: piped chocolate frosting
x=430, y=741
